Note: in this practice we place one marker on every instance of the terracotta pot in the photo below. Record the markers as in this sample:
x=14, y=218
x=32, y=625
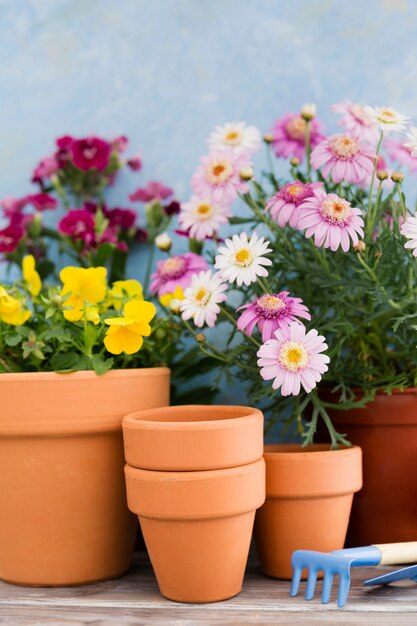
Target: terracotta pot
x=309, y=494
x=180, y=438
x=197, y=527
x=385, y=510
x=63, y=513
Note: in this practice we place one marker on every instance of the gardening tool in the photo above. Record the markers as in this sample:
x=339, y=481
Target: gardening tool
x=406, y=573
x=339, y=563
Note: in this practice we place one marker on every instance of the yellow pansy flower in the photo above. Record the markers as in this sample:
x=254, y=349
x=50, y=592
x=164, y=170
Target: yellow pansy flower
x=173, y=300
x=126, y=333
x=11, y=310
x=122, y=290
x=30, y=275
x=86, y=286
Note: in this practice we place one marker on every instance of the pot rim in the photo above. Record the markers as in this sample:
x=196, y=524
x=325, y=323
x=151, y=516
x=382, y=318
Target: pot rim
x=238, y=416
x=295, y=451
x=8, y=377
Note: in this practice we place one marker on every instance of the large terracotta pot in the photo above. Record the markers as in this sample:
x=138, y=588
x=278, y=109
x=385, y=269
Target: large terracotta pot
x=196, y=521
x=309, y=494
x=385, y=510
x=63, y=513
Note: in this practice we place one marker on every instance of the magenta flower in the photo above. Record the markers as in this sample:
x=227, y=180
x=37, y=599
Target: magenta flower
x=12, y=206
x=356, y=122
x=78, y=223
x=331, y=220
x=135, y=163
x=344, y=157
x=218, y=177
x=152, y=191
x=10, y=238
x=42, y=201
x=399, y=153
x=271, y=312
x=283, y=206
x=121, y=218
x=293, y=359
x=289, y=136
x=48, y=166
x=119, y=144
x=64, y=142
x=173, y=208
x=90, y=153
x=176, y=270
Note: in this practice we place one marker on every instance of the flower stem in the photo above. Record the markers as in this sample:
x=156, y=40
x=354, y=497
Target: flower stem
x=308, y=148
x=234, y=322
x=370, y=224
x=149, y=265
x=402, y=205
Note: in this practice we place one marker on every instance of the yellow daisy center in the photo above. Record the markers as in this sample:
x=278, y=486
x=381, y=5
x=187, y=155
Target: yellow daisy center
x=232, y=137
x=243, y=257
x=294, y=190
x=387, y=116
x=204, y=211
x=173, y=267
x=296, y=128
x=271, y=303
x=336, y=211
x=201, y=296
x=344, y=146
x=219, y=171
x=293, y=356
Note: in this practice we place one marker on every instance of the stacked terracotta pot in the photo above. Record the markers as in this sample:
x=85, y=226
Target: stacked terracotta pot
x=195, y=477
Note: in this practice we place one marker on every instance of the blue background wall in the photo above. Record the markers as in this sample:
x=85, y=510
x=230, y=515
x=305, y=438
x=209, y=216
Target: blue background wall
x=164, y=72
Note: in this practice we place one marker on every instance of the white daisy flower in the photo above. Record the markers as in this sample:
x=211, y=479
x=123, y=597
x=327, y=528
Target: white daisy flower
x=412, y=144
x=202, y=217
x=236, y=135
x=202, y=298
x=409, y=230
x=387, y=118
x=242, y=260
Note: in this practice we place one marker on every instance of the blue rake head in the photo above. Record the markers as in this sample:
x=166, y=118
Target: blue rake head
x=405, y=573
x=331, y=566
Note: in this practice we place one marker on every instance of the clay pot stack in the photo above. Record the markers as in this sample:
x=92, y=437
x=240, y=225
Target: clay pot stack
x=195, y=476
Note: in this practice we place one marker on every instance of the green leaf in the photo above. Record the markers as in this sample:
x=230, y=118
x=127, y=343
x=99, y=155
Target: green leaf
x=13, y=339
x=57, y=333
x=240, y=220
x=101, y=365
x=69, y=362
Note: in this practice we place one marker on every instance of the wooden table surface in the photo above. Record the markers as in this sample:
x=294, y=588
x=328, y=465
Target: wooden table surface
x=134, y=600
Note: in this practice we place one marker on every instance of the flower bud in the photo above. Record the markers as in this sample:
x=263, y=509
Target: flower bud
x=295, y=162
x=268, y=138
x=200, y=338
x=308, y=111
x=360, y=246
x=382, y=174
x=163, y=242
x=397, y=177
x=246, y=173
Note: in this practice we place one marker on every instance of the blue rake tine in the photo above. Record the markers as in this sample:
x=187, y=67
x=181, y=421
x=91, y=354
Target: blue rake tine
x=344, y=586
x=327, y=587
x=311, y=583
x=296, y=579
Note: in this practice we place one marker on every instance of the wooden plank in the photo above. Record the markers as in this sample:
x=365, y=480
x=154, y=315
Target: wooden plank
x=134, y=600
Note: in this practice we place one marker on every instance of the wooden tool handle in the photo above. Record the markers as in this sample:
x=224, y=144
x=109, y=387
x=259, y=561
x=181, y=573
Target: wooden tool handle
x=394, y=553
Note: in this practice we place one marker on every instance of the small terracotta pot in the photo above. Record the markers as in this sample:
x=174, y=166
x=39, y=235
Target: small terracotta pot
x=385, y=511
x=63, y=512
x=194, y=437
x=197, y=527
x=309, y=494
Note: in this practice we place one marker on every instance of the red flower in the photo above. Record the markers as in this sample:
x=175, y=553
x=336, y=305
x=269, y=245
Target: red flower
x=173, y=208
x=90, y=153
x=135, y=163
x=64, y=142
x=119, y=144
x=141, y=235
x=78, y=223
x=42, y=201
x=10, y=238
x=45, y=168
x=122, y=218
x=12, y=206
x=152, y=191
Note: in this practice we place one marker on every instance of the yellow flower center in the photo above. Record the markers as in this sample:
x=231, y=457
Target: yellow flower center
x=174, y=267
x=296, y=128
x=294, y=190
x=293, y=356
x=204, y=211
x=243, y=257
x=387, y=116
x=233, y=138
x=219, y=171
x=336, y=211
x=271, y=303
x=201, y=295
x=344, y=147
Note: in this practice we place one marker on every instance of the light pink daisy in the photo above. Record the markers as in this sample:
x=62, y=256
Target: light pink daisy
x=356, y=122
x=293, y=359
x=202, y=298
x=218, y=177
x=271, y=312
x=202, y=218
x=331, y=220
x=176, y=271
x=400, y=153
x=344, y=157
x=289, y=136
x=409, y=230
x=284, y=205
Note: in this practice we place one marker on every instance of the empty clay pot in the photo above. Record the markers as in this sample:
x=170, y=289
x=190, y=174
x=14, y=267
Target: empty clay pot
x=194, y=437
x=197, y=527
x=63, y=512
x=309, y=494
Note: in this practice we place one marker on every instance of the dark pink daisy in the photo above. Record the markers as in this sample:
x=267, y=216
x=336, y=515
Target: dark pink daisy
x=283, y=206
x=344, y=157
x=90, y=153
x=289, y=136
x=271, y=312
x=152, y=191
x=176, y=271
x=10, y=238
x=332, y=220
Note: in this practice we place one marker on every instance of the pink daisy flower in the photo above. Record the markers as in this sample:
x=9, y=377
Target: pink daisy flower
x=218, y=177
x=289, y=136
x=344, y=157
x=284, y=205
x=293, y=359
x=176, y=271
x=356, y=122
x=400, y=153
x=271, y=312
x=331, y=220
